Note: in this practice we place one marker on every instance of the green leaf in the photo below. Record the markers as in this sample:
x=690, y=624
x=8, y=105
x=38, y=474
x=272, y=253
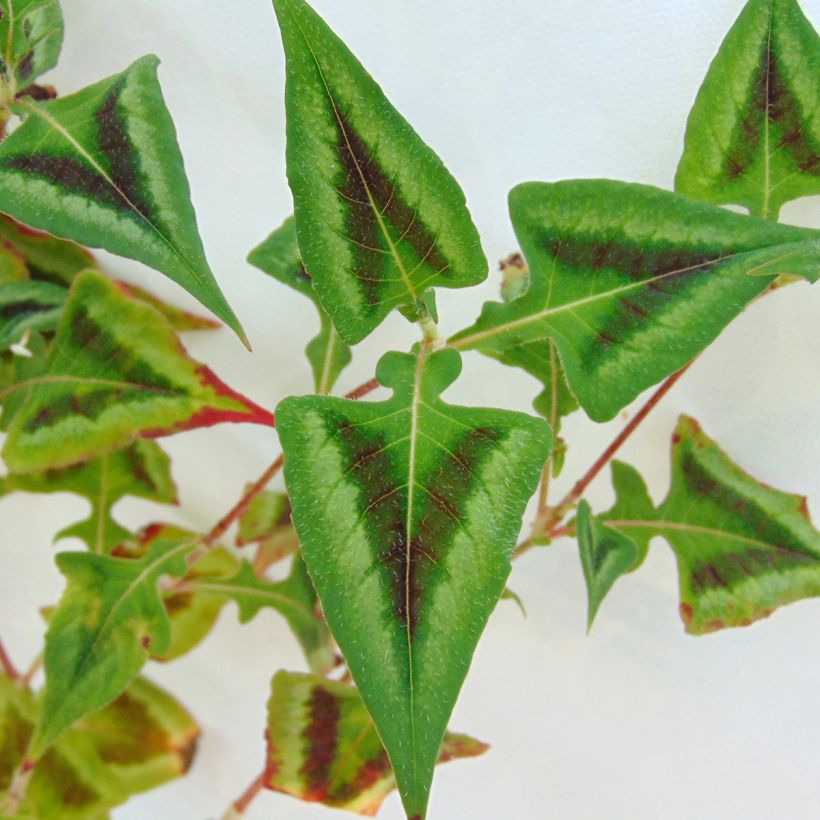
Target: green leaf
x=743, y=549
x=31, y=34
x=102, y=167
x=632, y=503
x=140, y=741
x=28, y=306
x=47, y=258
x=116, y=372
x=631, y=282
x=295, y=598
x=606, y=554
x=408, y=511
x=279, y=257
x=141, y=470
x=753, y=137
x=180, y=320
x=267, y=523
x=323, y=746
x=379, y=218
x=108, y=622
x=12, y=264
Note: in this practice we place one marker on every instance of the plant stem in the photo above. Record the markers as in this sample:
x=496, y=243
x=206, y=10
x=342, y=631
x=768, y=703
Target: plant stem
x=546, y=523
x=8, y=667
x=543, y=495
x=240, y=806
x=35, y=667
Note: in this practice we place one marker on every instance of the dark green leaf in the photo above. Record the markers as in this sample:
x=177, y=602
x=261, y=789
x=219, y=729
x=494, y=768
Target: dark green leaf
x=116, y=372
x=753, y=136
x=631, y=282
x=31, y=33
x=108, y=622
x=26, y=306
x=379, y=218
x=278, y=256
x=102, y=167
x=323, y=746
x=408, y=511
x=141, y=470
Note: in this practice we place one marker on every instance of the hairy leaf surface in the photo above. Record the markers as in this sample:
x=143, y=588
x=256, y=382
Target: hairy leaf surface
x=743, y=549
x=295, y=598
x=408, y=510
x=379, y=218
x=116, y=372
x=140, y=741
x=279, y=257
x=631, y=283
x=323, y=746
x=108, y=622
x=28, y=306
x=102, y=167
x=141, y=470
x=753, y=137
x=31, y=35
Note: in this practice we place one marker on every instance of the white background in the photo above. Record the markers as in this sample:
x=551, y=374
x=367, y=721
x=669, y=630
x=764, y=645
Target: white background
x=636, y=722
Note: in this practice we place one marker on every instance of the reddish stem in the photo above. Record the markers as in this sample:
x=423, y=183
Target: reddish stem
x=8, y=667
x=241, y=805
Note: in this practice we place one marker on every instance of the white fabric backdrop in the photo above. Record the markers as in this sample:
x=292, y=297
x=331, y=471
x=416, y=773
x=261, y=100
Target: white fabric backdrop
x=636, y=722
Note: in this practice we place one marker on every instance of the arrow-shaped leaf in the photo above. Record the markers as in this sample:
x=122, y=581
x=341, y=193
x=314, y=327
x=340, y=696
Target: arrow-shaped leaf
x=102, y=167
x=141, y=470
x=31, y=35
x=379, y=218
x=631, y=282
x=108, y=622
x=753, y=136
x=116, y=372
x=408, y=510
x=279, y=257
x=28, y=306
x=323, y=746
x=743, y=549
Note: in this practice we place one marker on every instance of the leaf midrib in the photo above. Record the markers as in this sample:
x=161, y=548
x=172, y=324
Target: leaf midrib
x=225, y=588
x=88, y=380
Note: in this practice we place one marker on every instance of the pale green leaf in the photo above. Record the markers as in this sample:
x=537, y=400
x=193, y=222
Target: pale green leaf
x=408, y=511
x=379, y=218
x=31, y=34
x=102, y=167
x=753, y=137
x=631, y=282
x=27, y=306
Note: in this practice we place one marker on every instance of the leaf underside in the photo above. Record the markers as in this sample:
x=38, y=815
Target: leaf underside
x=379, y=218
x=753, y=136
x=631, y=283
x=323, y=746
x=408, y=511
x=116, y=372
x=102, y=167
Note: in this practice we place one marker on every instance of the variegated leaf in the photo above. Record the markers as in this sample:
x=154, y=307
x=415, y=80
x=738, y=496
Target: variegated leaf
x=27, y=306
x=279, y=257
x=323, y=746
x=379, y=218
x=102, y=167
x=631, y=282
x=408, y=511
x=179, y=319
x=141, y=470
x=140, y=741
x=108, y=622
x=116, y=372
x=753, y=136
x=31, y=34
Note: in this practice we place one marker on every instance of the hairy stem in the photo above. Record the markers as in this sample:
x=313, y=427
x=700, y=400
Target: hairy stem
x=8, y=667
x=546, y=523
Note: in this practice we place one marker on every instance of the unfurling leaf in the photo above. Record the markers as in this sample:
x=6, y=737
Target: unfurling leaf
x=109, y=621
x=141, y=470
x=140, y=741
x=31, y=33
x=295, y=598
x=408, y=511
x=606, y=554
x=753, y=137
x=631, y=282
x=323, y=746
x=379, y=218
x=743, y=549
x=116, y=372
x=279, y=257
x=102, y=167
x=27, y=306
